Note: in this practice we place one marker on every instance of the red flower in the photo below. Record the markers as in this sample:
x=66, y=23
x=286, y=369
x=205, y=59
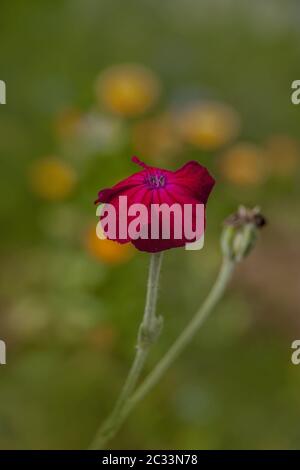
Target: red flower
x=190, y=185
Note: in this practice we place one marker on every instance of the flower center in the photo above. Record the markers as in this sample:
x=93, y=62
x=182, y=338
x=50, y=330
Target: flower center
x=156, y=181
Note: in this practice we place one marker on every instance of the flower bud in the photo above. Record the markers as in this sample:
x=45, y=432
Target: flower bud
x=240, y=233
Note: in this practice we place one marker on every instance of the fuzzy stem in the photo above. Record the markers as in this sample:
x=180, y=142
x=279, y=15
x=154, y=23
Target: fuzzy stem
x=182, y=341
x=149, y=331
x=185, y=337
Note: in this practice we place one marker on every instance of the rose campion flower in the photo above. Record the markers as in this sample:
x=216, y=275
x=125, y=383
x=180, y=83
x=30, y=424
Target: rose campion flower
x=190, y=186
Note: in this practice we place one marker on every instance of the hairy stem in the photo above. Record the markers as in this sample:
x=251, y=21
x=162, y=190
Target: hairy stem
x=183, y=340
x=185, y=337
x=149, y=331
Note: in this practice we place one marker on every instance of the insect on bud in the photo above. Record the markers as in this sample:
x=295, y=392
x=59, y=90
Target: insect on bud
x=240, y=232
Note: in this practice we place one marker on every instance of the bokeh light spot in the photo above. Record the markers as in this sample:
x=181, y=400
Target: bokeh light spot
x=127, y=90
x=51, y=178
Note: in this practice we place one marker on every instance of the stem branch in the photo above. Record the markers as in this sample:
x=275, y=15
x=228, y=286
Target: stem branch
x=179, y=345
x=185, y=337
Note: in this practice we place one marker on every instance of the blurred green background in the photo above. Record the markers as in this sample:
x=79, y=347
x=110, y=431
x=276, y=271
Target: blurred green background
x=90, y=83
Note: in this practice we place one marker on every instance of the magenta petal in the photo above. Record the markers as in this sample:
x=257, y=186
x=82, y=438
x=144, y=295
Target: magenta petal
x=105, y=195
x=194, y=179
x=191, y=184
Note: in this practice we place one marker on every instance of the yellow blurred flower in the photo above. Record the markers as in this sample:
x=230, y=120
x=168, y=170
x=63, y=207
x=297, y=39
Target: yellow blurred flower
x=155, y=137
x=208, y=125
x=283, y=154
x=128, y=89
x=107, y=251
x=244, y=164
x=66, y=122
x=51, y=178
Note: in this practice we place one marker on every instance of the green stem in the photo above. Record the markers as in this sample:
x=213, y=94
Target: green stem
x=148, y=333
x=185, y=337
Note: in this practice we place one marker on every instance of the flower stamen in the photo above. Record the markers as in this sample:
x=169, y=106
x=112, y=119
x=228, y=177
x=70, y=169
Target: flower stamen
x=156, y=181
